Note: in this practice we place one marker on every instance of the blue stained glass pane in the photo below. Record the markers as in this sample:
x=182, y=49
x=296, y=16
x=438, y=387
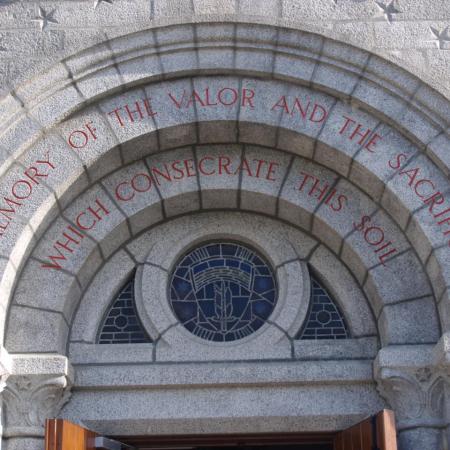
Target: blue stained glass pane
x=185, y=310
x=213, y=250
x=228, y=249
x=269, y=296
x=182, y=272
x=217, y=263
x=261, y=308
x=200, y=268
x=232, y=262
x=263, y=283
x=257, y=261
x=235, y=289
x=324, y=320
x=227, y=291
x=182, y=287
x=121, y=321
x=122, y=325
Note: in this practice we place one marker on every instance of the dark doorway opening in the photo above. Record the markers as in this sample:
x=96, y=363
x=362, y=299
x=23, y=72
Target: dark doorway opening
x=300, y=446
x=376, y=431
x=290, y=441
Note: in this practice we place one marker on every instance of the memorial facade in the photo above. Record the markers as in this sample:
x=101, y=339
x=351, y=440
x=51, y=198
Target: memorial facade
x=225, y=218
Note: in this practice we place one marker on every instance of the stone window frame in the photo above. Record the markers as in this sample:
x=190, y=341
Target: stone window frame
x=84, y=350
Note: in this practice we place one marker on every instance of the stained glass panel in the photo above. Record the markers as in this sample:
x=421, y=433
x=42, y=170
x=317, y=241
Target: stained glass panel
x=122, y=324
x=222, y=291
x=324, y=320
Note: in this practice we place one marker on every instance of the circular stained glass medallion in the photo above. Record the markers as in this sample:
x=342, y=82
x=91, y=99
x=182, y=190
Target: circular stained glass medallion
x=222, y=291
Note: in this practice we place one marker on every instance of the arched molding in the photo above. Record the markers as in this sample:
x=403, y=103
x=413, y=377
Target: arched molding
x=396, y=287
x=405, y=297
x=158, y=214
x=344, y=78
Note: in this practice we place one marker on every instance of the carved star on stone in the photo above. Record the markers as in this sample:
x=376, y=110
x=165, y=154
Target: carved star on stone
x=44, y=18
x=2, y=49
x=440, y=37
x=97, y=2
x=388, y=10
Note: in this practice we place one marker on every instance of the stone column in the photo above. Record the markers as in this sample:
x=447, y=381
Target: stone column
x=441, y=360
x=5, y=371
x=36, y=389
x=414, y=387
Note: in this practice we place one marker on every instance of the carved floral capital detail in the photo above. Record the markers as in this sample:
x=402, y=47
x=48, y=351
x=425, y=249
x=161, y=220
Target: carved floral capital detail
x=30, y=399
x=416, y=395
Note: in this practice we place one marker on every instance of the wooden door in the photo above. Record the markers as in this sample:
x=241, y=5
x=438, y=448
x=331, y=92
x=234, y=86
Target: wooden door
x=64, y=435
x=375, y=433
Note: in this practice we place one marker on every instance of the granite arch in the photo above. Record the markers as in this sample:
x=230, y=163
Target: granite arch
x=83, y=89
x=76, y=264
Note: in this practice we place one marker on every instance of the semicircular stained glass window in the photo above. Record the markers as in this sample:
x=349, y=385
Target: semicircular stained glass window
x=222, y=291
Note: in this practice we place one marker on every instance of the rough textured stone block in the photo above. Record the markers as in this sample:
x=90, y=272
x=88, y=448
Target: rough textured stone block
x=33, y=290
x=36, y=331
x=400, y=280
x=404, y=322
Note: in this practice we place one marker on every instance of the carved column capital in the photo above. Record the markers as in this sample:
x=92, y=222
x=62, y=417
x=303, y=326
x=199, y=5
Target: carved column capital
x=37, y=389
x=412, y=385
x=417, y=396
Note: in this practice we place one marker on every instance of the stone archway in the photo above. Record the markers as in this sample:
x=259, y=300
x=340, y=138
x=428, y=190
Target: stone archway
x=291, y=125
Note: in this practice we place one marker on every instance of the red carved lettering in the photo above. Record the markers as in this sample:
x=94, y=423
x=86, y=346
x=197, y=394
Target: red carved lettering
x=120, y=194
x=177, y=103
x=321, y=116
x=11, y=209
x=360, y=133
x=202, y=169
x=244, y=166
x=80, y=225
x=410, y=174
x=374, y=236
x=26, y=188
x=224, y=93
x=271, y=170
x=398, y=161
x=247, y=97
x=224, y=164
x=179, y=172
x=281, y=103
x=419, y=183
x=79, y=138
x=372, y=142
x=72, y=236
x=146, y=182
x=189, y=165
x=155, y=171
x=101, y=208
x=298, y=105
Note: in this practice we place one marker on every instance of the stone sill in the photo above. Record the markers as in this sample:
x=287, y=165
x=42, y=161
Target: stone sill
x=238, y=374
x=358, y=348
